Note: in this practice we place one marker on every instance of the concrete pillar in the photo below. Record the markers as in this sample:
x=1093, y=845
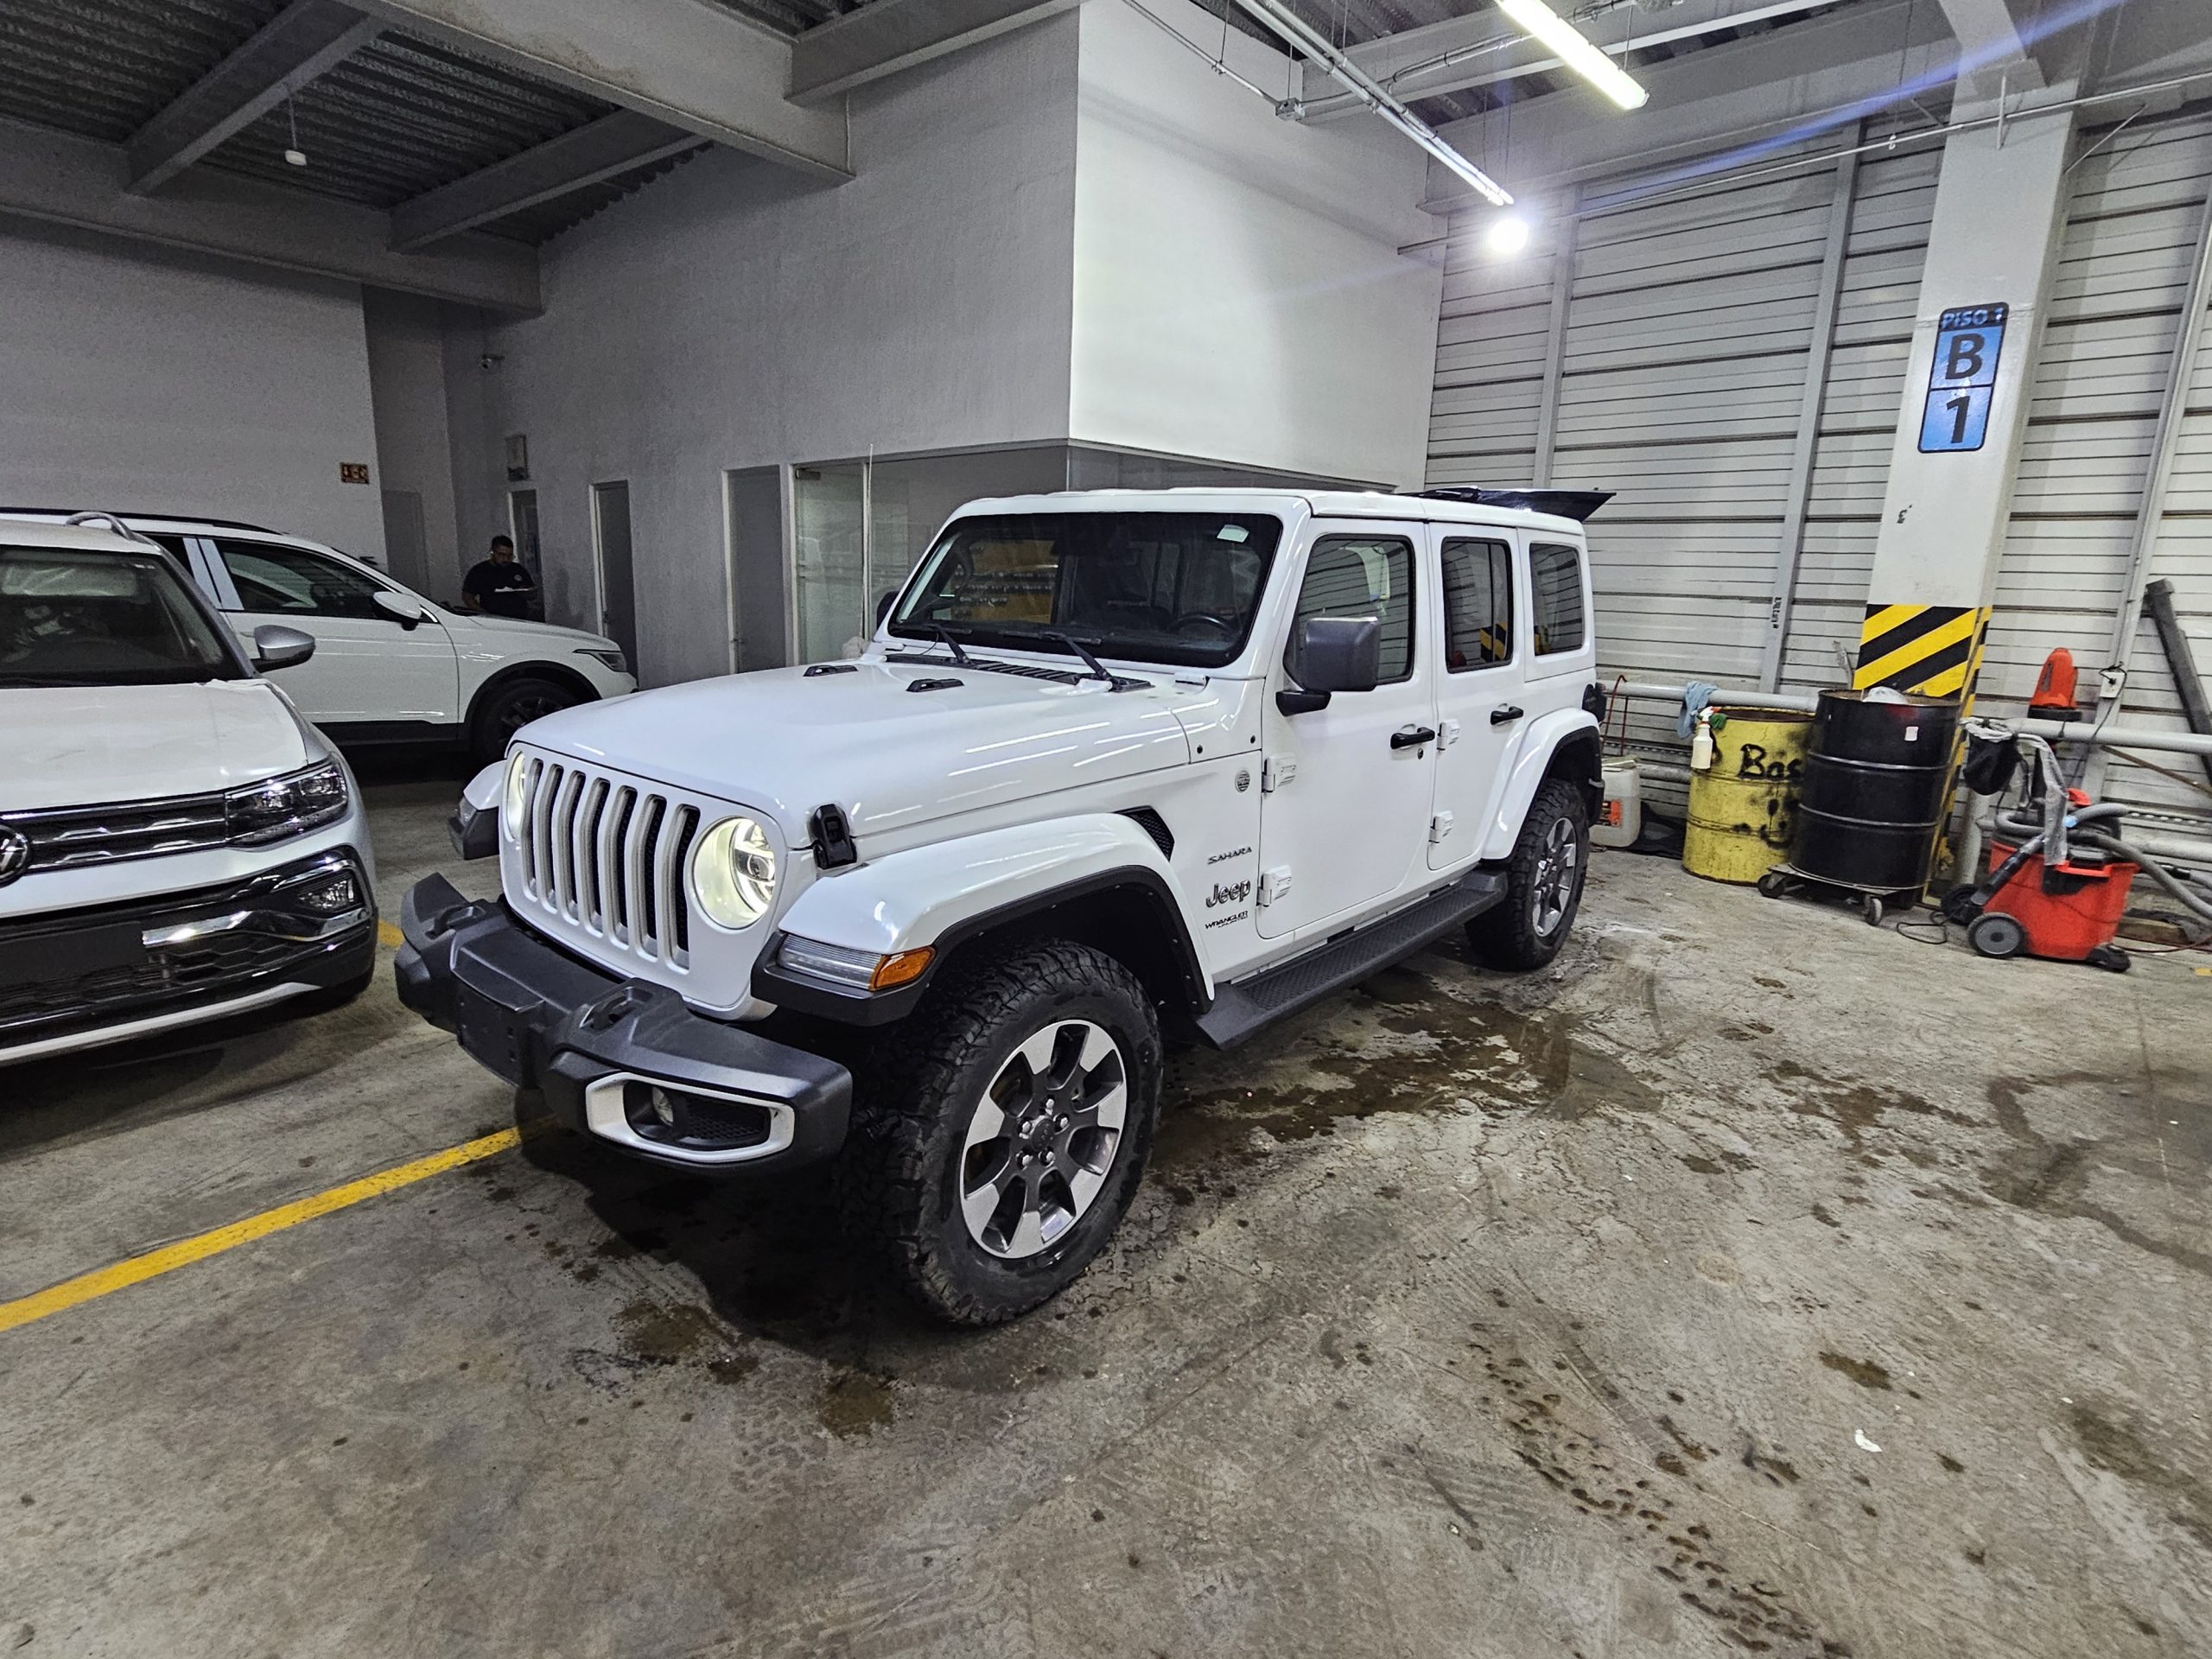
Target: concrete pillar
x=1999, y=212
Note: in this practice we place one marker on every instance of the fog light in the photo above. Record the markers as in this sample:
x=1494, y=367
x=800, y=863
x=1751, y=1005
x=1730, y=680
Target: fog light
x=663, y=1108
x=330, y=896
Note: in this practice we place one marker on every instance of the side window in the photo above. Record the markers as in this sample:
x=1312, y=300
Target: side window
x=291, y=580
x=1555, y=581
x=1477, y=605
x=1365, y=575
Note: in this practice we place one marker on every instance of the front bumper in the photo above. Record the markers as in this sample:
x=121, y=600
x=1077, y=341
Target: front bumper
x=600, y=1048
x=74, y=978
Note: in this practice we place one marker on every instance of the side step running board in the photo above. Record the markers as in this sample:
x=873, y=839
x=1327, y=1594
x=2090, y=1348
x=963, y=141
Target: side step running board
x=1244, y=1009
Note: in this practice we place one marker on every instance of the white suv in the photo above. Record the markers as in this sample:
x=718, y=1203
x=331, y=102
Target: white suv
x=176, y=843
x=1115, y=764
x=390, y=665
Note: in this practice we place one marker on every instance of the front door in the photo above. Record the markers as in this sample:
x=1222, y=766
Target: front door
x=369, y=668
x=1480, y=705
x=1347, y=812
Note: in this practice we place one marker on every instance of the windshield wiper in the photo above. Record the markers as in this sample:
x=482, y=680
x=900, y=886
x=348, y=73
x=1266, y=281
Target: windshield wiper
x=1098, y=669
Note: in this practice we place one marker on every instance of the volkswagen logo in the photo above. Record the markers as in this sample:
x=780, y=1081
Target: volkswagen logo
x=15, y=854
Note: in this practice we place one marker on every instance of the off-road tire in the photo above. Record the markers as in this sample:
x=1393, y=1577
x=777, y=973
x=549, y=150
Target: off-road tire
x=1508, y=937
x=508, y=706
x=898, y=1177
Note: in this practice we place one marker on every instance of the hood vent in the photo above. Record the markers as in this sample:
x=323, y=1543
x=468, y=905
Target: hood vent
x=926, y=684
x=816, y=670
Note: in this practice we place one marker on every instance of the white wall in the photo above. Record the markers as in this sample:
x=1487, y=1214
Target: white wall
x=1238, y=290
x=407, y=384
x=730, y=316
x=147, y=380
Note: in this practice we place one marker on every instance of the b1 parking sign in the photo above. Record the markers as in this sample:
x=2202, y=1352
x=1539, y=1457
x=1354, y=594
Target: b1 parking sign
x=1963, y=378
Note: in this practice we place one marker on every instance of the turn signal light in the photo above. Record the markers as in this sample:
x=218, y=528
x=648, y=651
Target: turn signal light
x=900, y=968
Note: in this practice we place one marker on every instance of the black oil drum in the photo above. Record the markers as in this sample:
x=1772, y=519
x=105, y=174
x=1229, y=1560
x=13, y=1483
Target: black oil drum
x=1872, y=791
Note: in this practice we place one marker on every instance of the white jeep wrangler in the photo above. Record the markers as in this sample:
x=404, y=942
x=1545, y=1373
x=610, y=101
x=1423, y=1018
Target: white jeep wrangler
x=1116, y=765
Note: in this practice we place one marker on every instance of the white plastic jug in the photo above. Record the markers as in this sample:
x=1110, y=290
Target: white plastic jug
x=1620, y=820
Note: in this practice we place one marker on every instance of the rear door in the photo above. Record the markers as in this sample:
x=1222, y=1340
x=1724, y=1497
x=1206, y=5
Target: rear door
x=1346, y=814
x=1481, y=704
x=369, y=668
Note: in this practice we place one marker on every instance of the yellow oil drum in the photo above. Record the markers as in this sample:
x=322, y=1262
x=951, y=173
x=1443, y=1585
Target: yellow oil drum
x=1744, y=809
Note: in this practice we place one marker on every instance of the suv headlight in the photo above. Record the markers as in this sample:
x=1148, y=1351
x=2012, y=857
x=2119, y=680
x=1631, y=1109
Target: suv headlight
x=290, y=805
x=516, y=794
x=612, y=660
x=733, y=872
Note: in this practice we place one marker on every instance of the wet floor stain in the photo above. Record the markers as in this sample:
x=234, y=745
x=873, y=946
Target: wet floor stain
x=2117, y=1449
x=1853, y=1105
x=855, y=1403
x=1418, y=1050
x=1865, y=1372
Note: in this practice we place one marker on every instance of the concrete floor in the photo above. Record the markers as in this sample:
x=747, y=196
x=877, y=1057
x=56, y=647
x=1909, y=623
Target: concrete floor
x=1751, y=1281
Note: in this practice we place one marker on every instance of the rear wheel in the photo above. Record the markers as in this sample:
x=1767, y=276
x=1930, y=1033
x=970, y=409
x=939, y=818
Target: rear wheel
x=1544, y=880
x=507, y=708
x=1993, y=933
x=1000, y=1136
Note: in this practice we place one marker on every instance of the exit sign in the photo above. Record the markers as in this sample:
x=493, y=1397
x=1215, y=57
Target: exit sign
x=1962, y=379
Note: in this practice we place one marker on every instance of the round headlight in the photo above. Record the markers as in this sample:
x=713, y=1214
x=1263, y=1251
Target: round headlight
x=518, y=794
x=733, y=872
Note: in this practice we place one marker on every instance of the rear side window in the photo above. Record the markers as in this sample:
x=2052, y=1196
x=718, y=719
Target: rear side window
x=292, y=580
x=1477, y=605
x=1365, y=575
x=1555, y=581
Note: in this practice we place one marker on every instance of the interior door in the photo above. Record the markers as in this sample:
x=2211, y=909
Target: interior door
x=1347, y=787
x=369, y=668
x=618, y=598
x=1480, y=702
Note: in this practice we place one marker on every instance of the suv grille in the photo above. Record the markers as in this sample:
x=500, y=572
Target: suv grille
x=608, y=856
x=62, y=836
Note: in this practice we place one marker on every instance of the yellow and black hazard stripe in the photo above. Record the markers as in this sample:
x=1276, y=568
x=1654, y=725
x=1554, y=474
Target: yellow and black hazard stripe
x=1933, y=650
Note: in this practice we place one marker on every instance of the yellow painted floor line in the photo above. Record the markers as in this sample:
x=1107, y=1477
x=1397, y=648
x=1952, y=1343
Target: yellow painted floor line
x=86, y=1287
x=389, y=934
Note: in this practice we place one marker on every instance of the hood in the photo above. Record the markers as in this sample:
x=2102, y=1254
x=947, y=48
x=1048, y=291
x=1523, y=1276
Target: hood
x=573, y=638
x=786, y=741
x=78, y=745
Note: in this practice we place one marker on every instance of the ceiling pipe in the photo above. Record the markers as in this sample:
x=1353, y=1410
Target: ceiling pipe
x=1294, y=30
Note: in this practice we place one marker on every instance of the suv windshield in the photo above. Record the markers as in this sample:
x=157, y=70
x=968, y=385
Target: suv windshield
x=79, y=616
x=1148, y=586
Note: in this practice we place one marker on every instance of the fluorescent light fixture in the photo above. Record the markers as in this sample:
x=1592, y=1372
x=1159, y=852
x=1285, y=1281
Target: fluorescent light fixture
x=1507, y=234
x=1573, y=50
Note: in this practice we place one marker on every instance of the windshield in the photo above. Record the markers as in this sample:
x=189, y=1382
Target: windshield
x=1176, y=587
x=76, y=616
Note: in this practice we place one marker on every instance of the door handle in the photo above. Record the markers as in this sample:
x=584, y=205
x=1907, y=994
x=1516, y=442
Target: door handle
x=1412, y=737
x=1505, y=716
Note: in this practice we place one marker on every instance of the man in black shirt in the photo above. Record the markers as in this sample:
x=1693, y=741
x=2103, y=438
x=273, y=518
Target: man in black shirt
x=498, y=586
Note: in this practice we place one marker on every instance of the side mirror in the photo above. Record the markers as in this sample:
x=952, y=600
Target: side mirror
x=883, y=606
x=404, y=608
x=1329, y=654
x=276, y=646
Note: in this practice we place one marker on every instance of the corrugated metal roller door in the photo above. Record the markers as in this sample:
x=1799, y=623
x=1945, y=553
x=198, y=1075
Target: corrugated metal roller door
x=2136, y=210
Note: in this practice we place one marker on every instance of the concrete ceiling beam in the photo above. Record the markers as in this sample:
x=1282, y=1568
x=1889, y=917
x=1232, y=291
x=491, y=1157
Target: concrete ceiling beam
x=63, y=178
x=301, y=42
x=606, y=148
x=693, y=66
x=889, y=35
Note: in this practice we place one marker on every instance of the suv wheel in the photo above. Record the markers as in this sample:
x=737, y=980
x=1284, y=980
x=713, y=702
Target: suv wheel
x=1002, y=1135
x=1544, y=881
x=509, y=708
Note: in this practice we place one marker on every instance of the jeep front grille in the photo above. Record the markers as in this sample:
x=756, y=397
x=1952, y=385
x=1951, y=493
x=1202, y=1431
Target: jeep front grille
x=607, y=856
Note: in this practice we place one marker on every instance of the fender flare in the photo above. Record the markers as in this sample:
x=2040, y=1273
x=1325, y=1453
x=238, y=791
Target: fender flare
x=950, y=891
x=1531, y=764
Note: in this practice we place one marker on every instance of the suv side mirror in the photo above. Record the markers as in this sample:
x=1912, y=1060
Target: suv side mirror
x=1329, y=654
x=276, y=646
x=405, y=608
x=883, y=606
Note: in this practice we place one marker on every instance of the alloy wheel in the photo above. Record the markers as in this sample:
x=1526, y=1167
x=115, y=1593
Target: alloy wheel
x=1043, y=1138
x=1557, y=865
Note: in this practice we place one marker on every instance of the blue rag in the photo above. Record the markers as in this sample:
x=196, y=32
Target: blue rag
x=1696, y=695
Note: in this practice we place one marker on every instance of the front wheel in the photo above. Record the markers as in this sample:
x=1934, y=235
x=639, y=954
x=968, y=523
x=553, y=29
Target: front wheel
x=1544, y=884
x=1000, y=1136
x=507, y=708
